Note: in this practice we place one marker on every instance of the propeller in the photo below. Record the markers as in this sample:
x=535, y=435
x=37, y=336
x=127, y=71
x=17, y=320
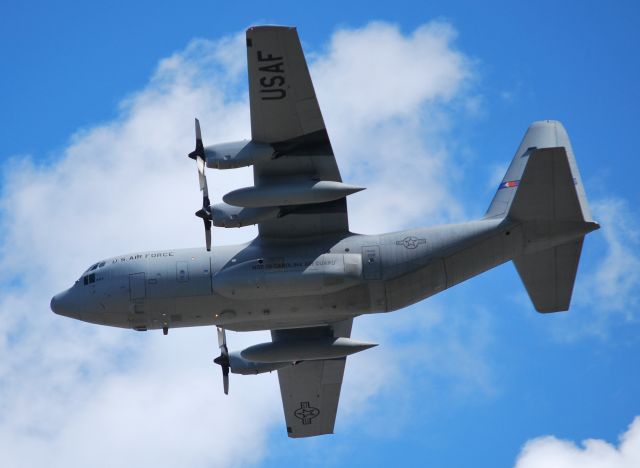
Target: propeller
x=223, y=359
x=205, y=211
x=199, y=151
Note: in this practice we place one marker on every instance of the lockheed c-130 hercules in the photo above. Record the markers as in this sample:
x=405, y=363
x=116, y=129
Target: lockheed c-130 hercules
x=306, y=276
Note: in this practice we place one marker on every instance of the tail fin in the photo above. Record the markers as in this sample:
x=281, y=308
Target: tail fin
x=543, y=190
x=540, y=135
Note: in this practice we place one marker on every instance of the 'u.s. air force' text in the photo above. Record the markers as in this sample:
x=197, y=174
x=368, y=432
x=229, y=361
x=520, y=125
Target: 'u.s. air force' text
x=272, y=78
x=140, y=256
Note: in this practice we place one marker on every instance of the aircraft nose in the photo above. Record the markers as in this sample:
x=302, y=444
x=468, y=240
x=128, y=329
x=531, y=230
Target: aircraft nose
x=62, y=304
x=56, y=303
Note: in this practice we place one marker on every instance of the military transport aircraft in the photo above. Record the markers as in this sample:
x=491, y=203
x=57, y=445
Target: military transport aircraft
x=306, y=276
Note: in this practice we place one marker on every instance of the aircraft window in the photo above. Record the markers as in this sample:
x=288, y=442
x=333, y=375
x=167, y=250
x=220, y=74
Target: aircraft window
x=88, y=279
x=95, y=266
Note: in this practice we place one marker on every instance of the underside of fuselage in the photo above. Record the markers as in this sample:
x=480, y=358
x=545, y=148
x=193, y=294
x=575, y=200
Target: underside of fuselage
x=259, y=286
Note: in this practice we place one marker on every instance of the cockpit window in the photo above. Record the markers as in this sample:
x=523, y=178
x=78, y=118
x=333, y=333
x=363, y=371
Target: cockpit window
x=95, y=266
x=89, y=279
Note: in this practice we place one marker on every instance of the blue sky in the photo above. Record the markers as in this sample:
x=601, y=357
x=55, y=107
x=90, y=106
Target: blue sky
x=96, y=110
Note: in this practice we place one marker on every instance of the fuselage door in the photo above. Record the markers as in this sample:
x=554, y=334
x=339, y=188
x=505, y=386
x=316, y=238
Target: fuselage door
x=137, y=288
x=193, y=276
x=371, y=262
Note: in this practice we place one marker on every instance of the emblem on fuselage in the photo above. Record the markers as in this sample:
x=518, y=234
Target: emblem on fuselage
x=306, y=412
x=411, y=242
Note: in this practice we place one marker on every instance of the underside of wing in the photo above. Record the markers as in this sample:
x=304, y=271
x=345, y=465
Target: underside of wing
x=285, y=114
x=284, y=107
x=310, y=393
x=311, y=390
x=298, y=192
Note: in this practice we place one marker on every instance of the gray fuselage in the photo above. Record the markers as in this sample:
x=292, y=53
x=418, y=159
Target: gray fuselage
x=268, y=285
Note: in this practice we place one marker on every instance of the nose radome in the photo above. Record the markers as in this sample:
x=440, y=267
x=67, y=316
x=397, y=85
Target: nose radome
x=61, y=304
x=56, y=303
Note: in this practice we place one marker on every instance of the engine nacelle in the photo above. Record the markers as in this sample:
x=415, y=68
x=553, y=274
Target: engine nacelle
x=237, y=154
x=228, y=216
x=240, y=365
x=304, y=350
x=292, y=193
x=289, y=277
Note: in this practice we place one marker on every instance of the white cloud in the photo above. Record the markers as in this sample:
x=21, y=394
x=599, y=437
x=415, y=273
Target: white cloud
x=387, y=115
x=608, y=282
x=430, y=352
x=77, y=394
x=551, y=452
x=617, y=279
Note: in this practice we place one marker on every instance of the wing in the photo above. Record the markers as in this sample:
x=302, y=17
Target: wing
x=285, y=114
x=310, y=393
x=311, y=390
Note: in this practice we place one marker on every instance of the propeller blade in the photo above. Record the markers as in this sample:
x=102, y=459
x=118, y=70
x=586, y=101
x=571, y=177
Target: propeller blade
x=207, y=234
x=225, y=379
x=200, y=163
x=201, y=177
x=198, y=134
x=205, y=193
x=223, y=359
x=222, y=337
x=199, y=151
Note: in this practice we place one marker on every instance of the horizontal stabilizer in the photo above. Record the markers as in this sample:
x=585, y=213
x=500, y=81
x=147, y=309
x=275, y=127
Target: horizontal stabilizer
x=549, y=275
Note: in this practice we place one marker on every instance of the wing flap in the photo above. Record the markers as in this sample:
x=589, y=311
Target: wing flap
x=310, y=116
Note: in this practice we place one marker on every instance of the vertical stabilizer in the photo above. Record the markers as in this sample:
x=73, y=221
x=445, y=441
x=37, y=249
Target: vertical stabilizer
x=540, y=135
